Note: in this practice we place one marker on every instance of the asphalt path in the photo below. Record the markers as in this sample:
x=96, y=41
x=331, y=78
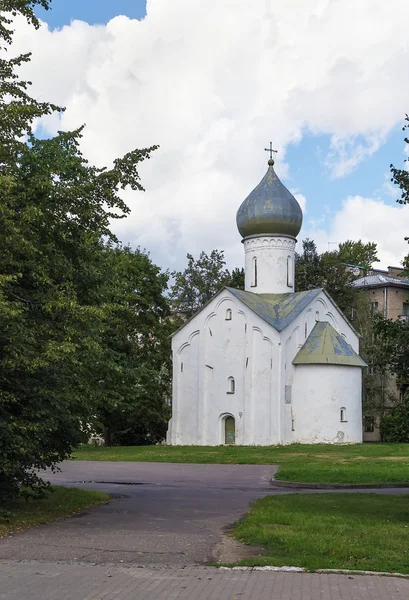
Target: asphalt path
x=162, y=513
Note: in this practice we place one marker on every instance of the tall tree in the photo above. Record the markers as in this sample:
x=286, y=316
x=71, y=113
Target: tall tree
x=358, y=253
x=60, y=324
x=327, y=270
x=134, y=378
x=198, y=283
x=400, y=177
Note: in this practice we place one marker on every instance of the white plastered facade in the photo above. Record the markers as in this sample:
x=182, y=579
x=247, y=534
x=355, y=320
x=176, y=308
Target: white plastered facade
x=270, y=400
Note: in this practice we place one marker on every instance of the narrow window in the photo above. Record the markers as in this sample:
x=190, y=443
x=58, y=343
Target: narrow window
x=254, y=272
x=369, y=424
x=231, y=385
x=289, y=272
x=181, y=367
x=228, y=314
x=317, y=315
x=343, y=415
x=292, y=425
x=374, y=307
x=305, y=330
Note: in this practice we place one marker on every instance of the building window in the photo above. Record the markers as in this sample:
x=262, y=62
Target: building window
x=292, y=425
x=181, y=367
x=231, y=385
x=374, y=307
x=369, y=424
x=317, y=316
x=289, y=272
x=305, y=330
x=254, y=272
x=343, y=415
x=405, y=309
x=228, y=314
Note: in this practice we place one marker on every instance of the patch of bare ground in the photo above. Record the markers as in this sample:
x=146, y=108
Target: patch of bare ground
x=230, y=551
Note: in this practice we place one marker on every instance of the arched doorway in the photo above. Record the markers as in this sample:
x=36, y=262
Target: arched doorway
x=229, y=431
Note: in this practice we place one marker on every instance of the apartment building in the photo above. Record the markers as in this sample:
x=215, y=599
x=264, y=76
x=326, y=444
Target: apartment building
x=388, y=292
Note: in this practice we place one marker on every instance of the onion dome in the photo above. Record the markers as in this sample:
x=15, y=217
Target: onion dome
x=269, y=209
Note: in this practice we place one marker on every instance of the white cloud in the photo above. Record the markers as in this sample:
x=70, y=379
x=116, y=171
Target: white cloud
x=346, y=154
x=212, y=83
x=370, y=220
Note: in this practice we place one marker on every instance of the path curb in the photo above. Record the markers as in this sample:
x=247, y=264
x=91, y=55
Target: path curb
x=336, y=486
x=319, y=571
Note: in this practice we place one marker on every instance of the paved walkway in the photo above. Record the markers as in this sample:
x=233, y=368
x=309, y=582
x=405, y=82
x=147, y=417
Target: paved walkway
x=147, y=545
x=53, y=581
x=166, y=514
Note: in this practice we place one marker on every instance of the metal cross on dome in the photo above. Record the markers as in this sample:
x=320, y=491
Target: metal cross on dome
x=270, y=150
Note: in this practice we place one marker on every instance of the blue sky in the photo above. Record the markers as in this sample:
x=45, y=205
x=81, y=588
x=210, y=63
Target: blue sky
x=188, y=77
x=92, y=11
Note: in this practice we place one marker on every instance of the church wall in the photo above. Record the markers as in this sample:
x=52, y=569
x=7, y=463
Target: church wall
x=241, y=346
x=321, y=392
x=225, y=356
x=263, y=388
x=292, y=339
x=186, y=382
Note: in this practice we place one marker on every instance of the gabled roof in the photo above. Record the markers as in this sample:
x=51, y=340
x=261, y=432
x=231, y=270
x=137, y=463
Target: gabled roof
x=379, y=281
x=325, y=346
x=278, y=310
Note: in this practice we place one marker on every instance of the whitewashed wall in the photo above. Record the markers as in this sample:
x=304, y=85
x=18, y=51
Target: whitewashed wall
x=292, y=339
x=245, y=348
x=270, y=398
x=275, y=264
x=320, y=391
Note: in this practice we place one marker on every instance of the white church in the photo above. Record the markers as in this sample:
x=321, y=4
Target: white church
x=267, y=365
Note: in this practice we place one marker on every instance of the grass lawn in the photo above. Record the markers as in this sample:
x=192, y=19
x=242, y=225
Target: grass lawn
x=62, y=502
x=333, y=531
x=324, y=463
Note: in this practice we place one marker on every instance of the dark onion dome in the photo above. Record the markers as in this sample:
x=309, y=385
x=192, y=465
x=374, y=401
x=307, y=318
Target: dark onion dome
x=269, y=209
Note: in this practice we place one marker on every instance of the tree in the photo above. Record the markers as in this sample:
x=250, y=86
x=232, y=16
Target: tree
x=313, y=270
x=198, y=283
x=395, y=425
x=400, y=177
x=236, y=279
x=132, y=407
x=308, y=275
x=358, y=253
x=63, y=331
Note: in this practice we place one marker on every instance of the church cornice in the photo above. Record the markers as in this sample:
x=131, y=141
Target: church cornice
x=271, y=242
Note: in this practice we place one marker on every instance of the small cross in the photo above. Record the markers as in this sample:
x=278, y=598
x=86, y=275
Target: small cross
x=270, y=150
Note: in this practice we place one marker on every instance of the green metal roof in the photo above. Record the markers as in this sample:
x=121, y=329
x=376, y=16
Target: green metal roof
x=325, y=346
x=278, y=310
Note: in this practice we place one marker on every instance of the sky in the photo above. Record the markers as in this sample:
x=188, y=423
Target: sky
x=213, y=83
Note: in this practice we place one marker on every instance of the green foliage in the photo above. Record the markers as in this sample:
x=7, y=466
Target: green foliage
x=393, y=338
x=400, y=177
x=198, y=283
x=82, y=319
x=327, y=270
x=236, y=279
x=395, y=424
x=358, y=253
x=134, y=381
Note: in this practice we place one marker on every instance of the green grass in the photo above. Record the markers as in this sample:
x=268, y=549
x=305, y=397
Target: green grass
x=332, y=531
x=61, y=502
x=324, y=463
